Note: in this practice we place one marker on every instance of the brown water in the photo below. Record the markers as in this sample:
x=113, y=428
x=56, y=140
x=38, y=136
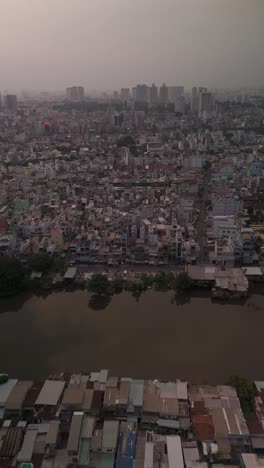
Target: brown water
x=198, y=340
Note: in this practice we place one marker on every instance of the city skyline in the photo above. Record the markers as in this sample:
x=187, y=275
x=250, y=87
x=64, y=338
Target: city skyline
x=107, y=44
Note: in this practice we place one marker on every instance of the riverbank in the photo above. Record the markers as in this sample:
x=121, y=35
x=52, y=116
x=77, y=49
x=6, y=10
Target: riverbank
x=42, y=272
x=223, y=283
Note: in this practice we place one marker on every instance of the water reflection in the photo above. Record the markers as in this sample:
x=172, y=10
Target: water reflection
x=13, y=304
x=181, y=299
x=99, y=301
x=160, y=336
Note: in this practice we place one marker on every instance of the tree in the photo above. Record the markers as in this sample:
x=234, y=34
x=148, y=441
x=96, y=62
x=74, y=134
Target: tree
x=246, y=391
x=183, y=281
x=117, y=285
x=164, y=281
x=250, y=211
x=258, y=244
x=12, y=276
x=147, y=280
x=126, y=141
x=40, y=262
x=3, y=378
x=98, y=284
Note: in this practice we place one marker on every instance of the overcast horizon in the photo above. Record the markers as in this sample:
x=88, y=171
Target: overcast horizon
x=109, y=44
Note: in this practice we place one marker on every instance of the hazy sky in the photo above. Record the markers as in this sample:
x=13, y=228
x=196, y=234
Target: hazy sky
x=107, y=44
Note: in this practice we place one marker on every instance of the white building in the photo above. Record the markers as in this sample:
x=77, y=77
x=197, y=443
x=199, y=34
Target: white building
x=75, y=93
x=193, y=162
x=226, y=206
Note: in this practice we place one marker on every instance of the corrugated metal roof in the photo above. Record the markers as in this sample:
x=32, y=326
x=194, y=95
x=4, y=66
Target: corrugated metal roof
x=5, y=390
x=50, y=393
x=250, y=460
x=11, y=442
x=103, y=376
x=88, y=427
x=26, y=451
x=181, y=390
x=111, y=382
x=110, y=435
x=252, y=271
x=260, y=385
x=136, y=392
x=191, y=456
x=168, y=423
x=123, y=393
x=53, y=431
x=33, y=394
x=88, y=398
x=149, y=455
x=124, y=462
x=18, y=395
x=174, y=448
x=73, y=395
x=70, y=273
x=94, y=377
x=75, y=430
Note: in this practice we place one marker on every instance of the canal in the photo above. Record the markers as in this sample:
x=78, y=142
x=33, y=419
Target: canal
x=194, y=338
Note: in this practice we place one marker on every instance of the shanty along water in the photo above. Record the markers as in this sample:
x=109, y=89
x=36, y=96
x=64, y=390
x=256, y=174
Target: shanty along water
x=194, y=339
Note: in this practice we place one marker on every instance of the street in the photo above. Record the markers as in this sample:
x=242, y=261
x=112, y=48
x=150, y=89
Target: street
x=201, y=224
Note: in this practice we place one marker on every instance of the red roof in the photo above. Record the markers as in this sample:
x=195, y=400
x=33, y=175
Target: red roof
x=33, y=394
x=198, y=407
x=203, y=427
x=3, y=224
x=254, y=425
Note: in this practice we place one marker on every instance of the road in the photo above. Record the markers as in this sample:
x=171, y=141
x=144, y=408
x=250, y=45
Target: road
x=130, y=268
x=201, y=224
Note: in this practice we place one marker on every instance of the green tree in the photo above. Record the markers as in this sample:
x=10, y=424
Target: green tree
x=12, y=276
x=126, y=141
x=250, y=211
x=183, y=281
x=246, y=391
x=164, y=281
x=117, y=285
x=98, y=284
x=207, y=166
x=40, y=262
x=3, y=378
x=147, y=280
x=258, y=244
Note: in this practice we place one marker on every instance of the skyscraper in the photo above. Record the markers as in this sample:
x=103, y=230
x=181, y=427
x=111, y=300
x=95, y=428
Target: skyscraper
x=75, y=93
x=10, y=101
x=141, y=93
x=124, y=94
x=195, y=101
x=180, y=105
x=196, y=98
x=174, y=92
x=205, y=102
x=163, y=94
x=153, y=94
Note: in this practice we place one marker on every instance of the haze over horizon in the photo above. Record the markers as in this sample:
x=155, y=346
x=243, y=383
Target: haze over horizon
x=109, y=44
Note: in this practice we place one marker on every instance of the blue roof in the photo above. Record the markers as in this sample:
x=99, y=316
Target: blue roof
x=130, y=448
x=131, y=444
x=124, y=462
